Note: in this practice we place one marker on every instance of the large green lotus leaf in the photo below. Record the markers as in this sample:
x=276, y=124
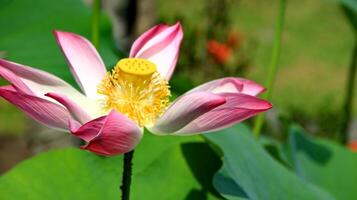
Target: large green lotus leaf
x=165, y=167
x=173, y=167
x=227, y=187
x=63, y=174
x=26, y=32
x=255, y=173
x=323, y=163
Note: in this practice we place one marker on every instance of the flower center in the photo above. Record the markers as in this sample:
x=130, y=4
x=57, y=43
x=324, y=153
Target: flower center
x=136, y=89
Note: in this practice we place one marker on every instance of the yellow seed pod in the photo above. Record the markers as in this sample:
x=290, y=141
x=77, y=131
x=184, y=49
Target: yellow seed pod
x=136, y=66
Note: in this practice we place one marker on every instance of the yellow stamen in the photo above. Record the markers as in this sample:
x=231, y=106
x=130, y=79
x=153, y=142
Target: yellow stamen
x=136, y=89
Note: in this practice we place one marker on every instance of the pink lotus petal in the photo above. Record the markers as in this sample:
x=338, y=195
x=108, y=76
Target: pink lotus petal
x=145, y=37
x=76, y=111
x=231, y=85
x=87, y=131
x=85, y=63
x=237, y=108
x=73, y=126
x=36, y=82
x=251, y=88
x=41, y=110
x=8, y=87
x=109, y=135
x=14, y=80
x=161, y=46
x=184, y=110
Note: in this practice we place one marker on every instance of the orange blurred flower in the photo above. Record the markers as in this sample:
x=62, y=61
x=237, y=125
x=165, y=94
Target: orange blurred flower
x=352, y=145
x=220, y=52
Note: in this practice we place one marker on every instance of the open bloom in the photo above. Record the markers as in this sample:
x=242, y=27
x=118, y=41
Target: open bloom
x=115, y=106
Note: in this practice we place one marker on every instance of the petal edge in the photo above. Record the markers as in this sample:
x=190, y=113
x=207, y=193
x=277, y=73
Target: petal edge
x=83, y=59
x=110, y=135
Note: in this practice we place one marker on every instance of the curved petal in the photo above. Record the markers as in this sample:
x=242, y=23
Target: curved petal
x=251, y=88
x=8, y=87
x=74, y=109
x=14, y=80
x=109, y=135
x=87, y=131
x=231, y=85
x=85, y=63
x=237, y=108
x=43, y=111
x=184, y=110
x=161, y=46
x=145, y=37
x=38, y=83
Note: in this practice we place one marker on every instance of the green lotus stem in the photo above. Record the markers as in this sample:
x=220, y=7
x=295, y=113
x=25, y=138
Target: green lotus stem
x=348, y=103
x=273, y=68
x=127, y=172
x=95, y=22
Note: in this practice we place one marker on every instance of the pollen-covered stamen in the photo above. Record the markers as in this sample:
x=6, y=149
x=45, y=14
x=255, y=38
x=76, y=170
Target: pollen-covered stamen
x=136, y=89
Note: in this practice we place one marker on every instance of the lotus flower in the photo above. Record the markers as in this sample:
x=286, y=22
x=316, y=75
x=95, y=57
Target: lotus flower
x=115, y=106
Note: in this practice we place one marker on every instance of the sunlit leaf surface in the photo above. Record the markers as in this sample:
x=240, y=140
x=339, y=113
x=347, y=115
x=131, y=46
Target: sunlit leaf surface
x=164, y=168
x=323, y=163
x=255, y=173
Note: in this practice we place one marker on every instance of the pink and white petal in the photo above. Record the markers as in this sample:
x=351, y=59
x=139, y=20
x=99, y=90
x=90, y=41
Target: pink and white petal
x=231, y=85
x=41, y=110
x=161, y=46
x=84, y=61
x=74, y=109
x=251, y=88
x=237, y=108
x=74, y=125
x=8, y=87
x=185, y=109
x=145, y=37
x=87, y=131
x=14, y=80
x=37, y=82
x=110, y=135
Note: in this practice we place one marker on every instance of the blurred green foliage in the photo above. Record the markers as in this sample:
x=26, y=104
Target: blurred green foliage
x=28, y=39
x=317, y=44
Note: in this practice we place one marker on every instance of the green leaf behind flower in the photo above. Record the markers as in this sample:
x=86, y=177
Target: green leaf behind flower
x=254, y=173
x=165, y=167
x=324, y=163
